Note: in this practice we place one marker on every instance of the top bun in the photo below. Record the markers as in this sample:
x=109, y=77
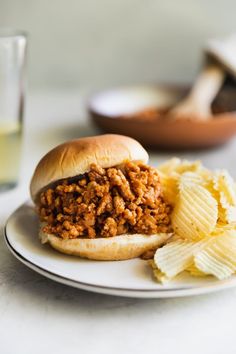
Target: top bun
x=75, y=157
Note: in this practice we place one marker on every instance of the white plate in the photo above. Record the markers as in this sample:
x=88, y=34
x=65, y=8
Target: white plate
x=131, y=278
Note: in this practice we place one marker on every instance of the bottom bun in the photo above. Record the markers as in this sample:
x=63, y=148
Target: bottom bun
x=106, y=249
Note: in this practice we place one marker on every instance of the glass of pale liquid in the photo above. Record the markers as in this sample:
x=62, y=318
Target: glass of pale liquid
x=12, y=93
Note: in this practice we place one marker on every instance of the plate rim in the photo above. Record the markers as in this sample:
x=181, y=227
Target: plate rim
x=126, y=292
x=110, y=290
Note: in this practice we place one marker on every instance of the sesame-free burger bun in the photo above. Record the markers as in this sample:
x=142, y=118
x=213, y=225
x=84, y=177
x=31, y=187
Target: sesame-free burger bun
x=75, y=157
x=114, y=248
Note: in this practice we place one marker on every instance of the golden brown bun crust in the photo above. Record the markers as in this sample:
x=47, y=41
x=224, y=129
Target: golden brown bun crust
x=107, y=249
x=75, y=157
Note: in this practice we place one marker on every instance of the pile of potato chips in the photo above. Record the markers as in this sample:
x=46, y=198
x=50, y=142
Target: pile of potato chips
x=203, y=220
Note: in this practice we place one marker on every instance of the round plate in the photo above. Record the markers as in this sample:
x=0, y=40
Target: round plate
x=131, y=278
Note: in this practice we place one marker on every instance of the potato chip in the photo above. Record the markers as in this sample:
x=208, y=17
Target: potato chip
x=177, y=256
x=209, y=185
x=230, y=213
x=195, y=214
x=218, y=258
x=205, y=174
x=180, y=166
x=169, y=166
x=225, y=185
x=190, y=178
x=224, y=229
x=224, y=191
x=188, y=166
x=194, y=271
x=160, y=277
x=203, y=219
x=169, y=188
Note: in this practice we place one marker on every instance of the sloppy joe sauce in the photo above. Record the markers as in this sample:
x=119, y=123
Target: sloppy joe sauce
x=105, y=203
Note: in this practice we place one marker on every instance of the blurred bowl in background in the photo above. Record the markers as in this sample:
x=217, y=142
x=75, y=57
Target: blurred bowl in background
x=142, y=113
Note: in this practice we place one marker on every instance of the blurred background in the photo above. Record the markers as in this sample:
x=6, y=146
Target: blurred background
x=88, y=43
x=76, y=47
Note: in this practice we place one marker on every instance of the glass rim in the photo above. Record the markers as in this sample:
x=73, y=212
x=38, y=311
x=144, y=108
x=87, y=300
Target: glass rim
x=12, y=33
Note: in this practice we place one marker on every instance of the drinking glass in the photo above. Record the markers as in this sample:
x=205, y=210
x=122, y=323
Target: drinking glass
x=12, y=94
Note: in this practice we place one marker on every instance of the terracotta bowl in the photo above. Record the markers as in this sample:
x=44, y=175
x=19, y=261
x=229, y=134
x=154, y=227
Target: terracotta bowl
x=115, y=111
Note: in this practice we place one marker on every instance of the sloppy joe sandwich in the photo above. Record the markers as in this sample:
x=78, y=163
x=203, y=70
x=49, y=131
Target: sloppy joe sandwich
x=97, y=198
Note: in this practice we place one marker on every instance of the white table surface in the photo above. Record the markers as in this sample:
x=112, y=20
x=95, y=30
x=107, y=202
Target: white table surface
x=41, y=316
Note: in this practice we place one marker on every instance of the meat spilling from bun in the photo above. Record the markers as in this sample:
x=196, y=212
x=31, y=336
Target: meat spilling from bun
x=106, y=203
x=97, y=198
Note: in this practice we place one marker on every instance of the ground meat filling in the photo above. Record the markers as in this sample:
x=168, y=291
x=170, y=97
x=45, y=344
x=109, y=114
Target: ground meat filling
x=105, y=203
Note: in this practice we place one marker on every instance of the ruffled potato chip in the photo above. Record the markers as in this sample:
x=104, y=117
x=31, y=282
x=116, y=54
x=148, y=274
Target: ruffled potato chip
x=203, y=219
x=230, y=213
x=224, y=191
x=180, y=166
x=218, y=258
x=224, y=183
x=177, y=256
x=158, y=275
x=225, y=229
x=169, y=186
x=169, y=166
x=174, y=170
x=215, y=255
x=195, y=214
x=190, y=178
x=194, y=271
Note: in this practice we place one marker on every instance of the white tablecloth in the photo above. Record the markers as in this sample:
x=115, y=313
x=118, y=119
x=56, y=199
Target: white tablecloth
x=40, y=316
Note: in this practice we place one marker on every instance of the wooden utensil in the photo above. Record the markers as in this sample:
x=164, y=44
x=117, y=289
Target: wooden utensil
x=221, y=59
x=197, y=105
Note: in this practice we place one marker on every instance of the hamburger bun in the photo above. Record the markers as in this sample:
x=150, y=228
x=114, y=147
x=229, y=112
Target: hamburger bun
x=74, y=158
x=107, y=249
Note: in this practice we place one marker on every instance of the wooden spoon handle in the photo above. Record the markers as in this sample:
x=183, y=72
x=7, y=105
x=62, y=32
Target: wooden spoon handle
x=207, y=84
x=197, y=105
